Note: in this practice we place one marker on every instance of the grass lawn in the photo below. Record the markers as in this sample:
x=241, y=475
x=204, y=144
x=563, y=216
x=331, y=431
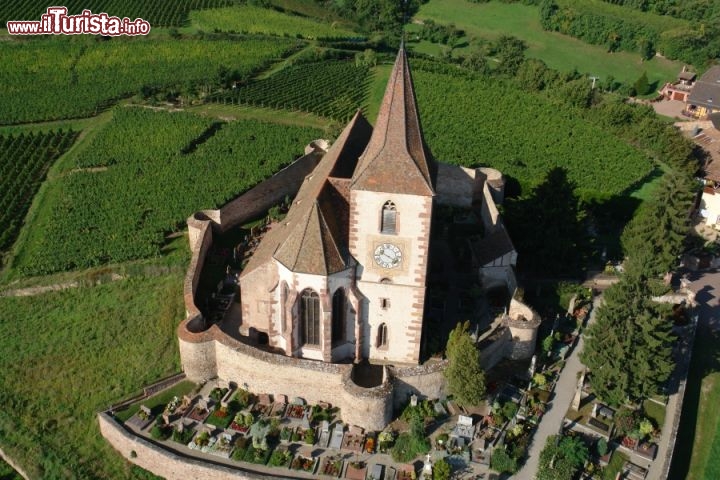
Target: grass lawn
x=561, y=52
x=655, y=411
x=265, y=114
x=7, y=472
x=67, y=355
x=697, y=449
x=157, y=403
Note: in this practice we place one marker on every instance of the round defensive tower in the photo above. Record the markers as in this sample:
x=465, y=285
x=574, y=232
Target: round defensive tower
x=523, y=323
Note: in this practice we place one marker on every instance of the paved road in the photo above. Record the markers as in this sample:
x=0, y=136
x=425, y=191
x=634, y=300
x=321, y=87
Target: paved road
x=553, y=418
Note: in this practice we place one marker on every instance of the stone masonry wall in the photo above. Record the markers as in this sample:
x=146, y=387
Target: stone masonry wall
x=256, y=201
x=167, y=463
x=425, y=381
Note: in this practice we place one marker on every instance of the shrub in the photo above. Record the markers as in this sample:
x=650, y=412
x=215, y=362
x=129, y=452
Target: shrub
x=602, y=447
x=441, y=470
x=501, y=462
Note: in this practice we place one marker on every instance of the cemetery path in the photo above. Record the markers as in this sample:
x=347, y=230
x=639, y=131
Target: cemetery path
x=553, y=419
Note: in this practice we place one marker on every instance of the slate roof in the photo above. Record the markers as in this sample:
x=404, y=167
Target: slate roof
x=706, y=91
x=396, y=159
x=313, y=236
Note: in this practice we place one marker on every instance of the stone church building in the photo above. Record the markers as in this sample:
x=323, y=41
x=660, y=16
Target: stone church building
x=343, y=276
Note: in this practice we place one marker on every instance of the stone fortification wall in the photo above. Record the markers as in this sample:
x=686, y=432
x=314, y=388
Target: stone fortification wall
x=256, y=201
x=167, y=463
x=496, y=347
x=425, y=381
x=454, y=185
x=212, y=353
x=523, y=323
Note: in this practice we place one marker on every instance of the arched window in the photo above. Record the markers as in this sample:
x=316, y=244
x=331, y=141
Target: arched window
x=338, y=316
x=382, y=337
x=310, y=316
x=388, y=222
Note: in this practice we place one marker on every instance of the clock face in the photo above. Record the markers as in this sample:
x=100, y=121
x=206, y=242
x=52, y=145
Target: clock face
x=388, y=255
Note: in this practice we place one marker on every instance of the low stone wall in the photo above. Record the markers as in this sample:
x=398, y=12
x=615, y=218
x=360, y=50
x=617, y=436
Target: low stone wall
x=425, y=381
x=167, y=463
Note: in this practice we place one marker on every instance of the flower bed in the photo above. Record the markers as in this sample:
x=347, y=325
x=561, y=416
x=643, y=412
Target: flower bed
x=281, y=457
x=304, y=464
x=332, y=466
x=198, y=414
x=257, y=456
x=295, y=411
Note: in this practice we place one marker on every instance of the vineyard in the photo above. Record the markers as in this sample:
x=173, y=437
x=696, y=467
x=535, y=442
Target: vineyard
x=249, y=19
x=24, y=160
x=333, y=89
x=149, y=186
x=168, y=13
x=482, y=121
x=50, y=79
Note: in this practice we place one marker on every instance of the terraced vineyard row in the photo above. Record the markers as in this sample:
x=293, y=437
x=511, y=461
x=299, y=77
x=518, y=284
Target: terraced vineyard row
x=150, y=186
x=523, y=135
x=50, y=79
x=333, y=89
x=24, y=160
x=167, y=13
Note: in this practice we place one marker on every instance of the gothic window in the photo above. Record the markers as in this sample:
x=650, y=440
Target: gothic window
x=310, y=316
x=338, y=316
x=389, y=218
x=382, y=336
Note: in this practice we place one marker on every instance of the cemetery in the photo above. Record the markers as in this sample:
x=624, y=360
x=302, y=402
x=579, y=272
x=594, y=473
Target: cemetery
x=252, y=430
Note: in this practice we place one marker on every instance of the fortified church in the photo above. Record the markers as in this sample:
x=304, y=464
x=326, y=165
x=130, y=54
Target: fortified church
x=342, y=279
x=347, y=268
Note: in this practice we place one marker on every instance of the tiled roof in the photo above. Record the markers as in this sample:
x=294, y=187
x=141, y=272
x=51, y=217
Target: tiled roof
x=706, y=91
x=396, y=159
x=313, y=236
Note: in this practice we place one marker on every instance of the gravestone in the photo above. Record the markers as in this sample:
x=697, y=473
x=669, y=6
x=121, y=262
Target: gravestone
x=578, y=392
x=305, y=421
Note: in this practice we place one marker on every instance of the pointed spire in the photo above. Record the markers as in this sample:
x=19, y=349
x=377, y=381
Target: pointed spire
x=396, y=159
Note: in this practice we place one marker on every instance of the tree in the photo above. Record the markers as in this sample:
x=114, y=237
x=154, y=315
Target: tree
x=510, y=52
x=466, y=380
x=501, y=462
x=654, y=238
x=574, y=450
x=553, y=464
x=642, y=85
x=441, y=470
x=627, y=348
x=551, y=211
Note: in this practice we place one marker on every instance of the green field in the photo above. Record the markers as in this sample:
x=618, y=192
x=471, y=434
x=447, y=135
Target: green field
x=69, y=354
x=249, y=19
x=24, y=161
x=561, y=52
x=160, y=13
x=603, y=8
x=697, y=449
x=331, y=89
x=50, y=79
x=522, y=134
x=176, y=163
